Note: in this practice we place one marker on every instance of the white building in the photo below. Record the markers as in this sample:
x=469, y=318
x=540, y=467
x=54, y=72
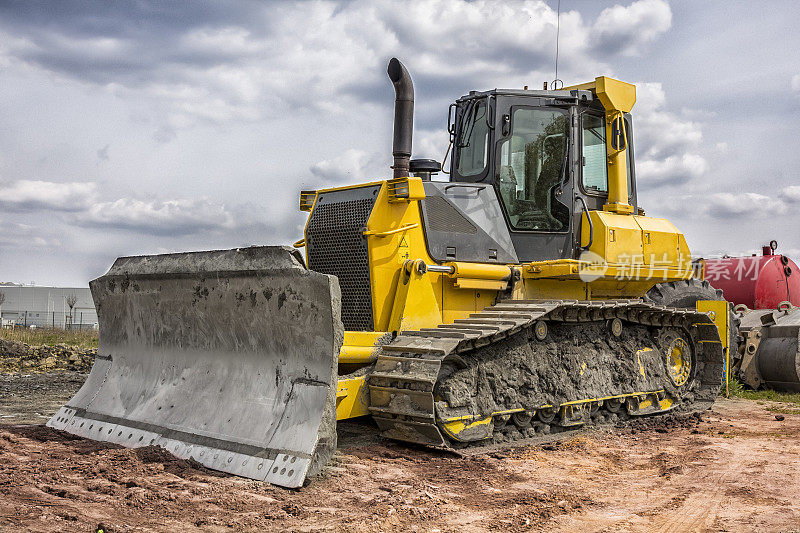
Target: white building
x=47, y=306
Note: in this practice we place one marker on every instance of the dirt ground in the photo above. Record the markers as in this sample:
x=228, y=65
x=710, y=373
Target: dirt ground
x=736, y=468
x=33, y=398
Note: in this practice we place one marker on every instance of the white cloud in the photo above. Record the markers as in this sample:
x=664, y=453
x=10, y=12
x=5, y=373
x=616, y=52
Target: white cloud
x=792, y=193
x=795, y=82
x=79, y=203
x=746, y=204
x=31, y=195
x=629, y=29
x=430, y=145
x=15, y=234
x=661, y=132
x=667, y=147
x=671, y=170
x=351, y=166
x=792, y=253
x=743, y=206
x=471, y=30
x=171, y=217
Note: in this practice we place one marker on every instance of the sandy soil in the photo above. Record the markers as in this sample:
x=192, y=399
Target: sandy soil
x=736, y=469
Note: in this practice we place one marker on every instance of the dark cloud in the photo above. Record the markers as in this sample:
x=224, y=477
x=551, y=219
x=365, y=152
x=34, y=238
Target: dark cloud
x=463, y=46
x=206, y=102
x=132, y=19
x=134, y=44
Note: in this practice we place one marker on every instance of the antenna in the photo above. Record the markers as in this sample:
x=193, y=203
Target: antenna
x=557, y=83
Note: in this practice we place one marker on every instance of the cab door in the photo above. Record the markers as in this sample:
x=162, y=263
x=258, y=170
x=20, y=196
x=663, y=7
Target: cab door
x=533, y=179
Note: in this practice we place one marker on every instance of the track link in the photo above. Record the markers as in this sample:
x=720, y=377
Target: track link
x=403, y=385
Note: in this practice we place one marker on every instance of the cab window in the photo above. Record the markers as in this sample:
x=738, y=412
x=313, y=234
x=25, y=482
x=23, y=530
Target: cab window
x=531, y=169
x=628, y=153
x=473, y=140
x=593, y=150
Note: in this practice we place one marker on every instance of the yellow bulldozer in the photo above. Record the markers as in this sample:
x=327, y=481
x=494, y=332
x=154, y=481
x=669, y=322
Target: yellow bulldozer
x=526, y=295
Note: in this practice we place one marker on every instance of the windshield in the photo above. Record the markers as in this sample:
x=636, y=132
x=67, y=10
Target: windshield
x=473, y=136
x=531, y=168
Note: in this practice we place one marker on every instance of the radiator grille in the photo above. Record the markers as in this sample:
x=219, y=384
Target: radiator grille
x=336, y=246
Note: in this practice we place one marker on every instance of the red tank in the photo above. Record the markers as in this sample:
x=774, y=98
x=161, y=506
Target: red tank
x=759, y=282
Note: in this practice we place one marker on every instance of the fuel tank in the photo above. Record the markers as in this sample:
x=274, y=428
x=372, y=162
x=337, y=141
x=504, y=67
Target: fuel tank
x=757, y=281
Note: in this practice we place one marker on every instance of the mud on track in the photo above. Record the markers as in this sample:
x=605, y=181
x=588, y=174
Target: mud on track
x=735, y=469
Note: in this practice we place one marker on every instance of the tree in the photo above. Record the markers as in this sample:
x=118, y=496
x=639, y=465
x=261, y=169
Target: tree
x=2, y=299
x=72, y=299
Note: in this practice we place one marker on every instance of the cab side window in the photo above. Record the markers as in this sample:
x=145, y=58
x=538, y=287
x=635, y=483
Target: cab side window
x=628, y=153
x=472, y=151
x=593, y=150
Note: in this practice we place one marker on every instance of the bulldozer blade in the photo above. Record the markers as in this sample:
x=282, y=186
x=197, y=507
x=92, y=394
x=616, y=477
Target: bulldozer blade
x=226, y=357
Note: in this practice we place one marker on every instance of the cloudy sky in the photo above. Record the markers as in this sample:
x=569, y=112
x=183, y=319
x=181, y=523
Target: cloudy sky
x=146, y=127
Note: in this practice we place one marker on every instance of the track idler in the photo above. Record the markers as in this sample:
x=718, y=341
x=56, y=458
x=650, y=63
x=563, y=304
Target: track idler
x=225, y=357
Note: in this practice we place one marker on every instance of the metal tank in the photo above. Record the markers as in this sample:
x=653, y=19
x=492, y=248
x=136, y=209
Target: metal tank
x=766, y=292
x=758, y=281
x=770, y=351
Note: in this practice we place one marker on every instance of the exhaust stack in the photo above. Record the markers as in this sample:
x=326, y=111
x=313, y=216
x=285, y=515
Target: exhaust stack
x=403, y=117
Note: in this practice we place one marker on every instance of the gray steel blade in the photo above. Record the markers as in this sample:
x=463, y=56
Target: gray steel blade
x=227, y=357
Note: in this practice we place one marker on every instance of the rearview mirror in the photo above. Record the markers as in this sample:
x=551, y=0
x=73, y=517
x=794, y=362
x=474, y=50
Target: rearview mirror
x=618, y=139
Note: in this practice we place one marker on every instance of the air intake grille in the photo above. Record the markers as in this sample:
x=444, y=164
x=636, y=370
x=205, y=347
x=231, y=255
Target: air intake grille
x=336, y=246
x=442, y=216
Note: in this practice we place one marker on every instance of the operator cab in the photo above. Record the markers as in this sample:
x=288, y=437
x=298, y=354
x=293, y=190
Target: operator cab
x=543, y=154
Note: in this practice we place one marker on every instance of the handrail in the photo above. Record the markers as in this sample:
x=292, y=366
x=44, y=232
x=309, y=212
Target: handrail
x=591, y=227
x=300, y=243
x=392, y=231
x=473, y=185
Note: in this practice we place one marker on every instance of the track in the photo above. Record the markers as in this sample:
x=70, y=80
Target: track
x=531, y=368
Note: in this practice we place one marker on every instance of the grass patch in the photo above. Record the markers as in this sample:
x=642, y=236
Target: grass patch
x=85, y=339
x=784, y=410
x=738, y=390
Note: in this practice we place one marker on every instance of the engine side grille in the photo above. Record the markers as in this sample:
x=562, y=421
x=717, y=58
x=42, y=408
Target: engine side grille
x=336, y=246
x=442, y=216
